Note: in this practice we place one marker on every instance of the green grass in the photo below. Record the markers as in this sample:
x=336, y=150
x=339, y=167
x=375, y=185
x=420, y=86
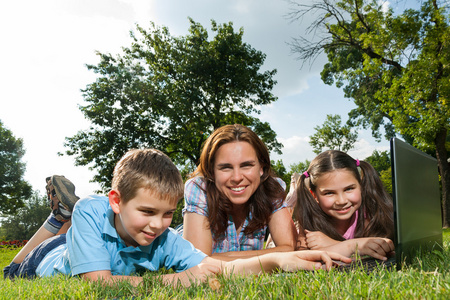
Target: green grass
x=426, y=278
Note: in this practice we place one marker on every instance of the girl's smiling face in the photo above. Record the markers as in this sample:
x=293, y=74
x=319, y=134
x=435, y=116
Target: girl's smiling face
x=237, y=171
x=338, y=194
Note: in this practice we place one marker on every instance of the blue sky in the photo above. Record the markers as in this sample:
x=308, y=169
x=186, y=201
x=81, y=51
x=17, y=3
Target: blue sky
x=46, y=44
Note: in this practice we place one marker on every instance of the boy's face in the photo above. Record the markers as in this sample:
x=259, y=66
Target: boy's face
x=142, y=219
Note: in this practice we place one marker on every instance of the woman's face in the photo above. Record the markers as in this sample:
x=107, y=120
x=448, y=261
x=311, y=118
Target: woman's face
x=237, y=171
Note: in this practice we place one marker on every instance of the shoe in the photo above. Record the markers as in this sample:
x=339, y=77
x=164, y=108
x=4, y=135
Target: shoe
x=63, y=189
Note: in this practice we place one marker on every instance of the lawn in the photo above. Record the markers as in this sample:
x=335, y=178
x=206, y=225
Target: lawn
x=427, y=278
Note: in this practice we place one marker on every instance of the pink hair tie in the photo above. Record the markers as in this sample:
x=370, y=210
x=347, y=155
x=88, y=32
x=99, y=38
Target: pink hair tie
x=306, y=174
x=358, y=167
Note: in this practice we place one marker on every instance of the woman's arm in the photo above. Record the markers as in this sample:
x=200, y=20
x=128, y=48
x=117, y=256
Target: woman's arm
x=284, y=261
x=196, y=230
x=282, y=231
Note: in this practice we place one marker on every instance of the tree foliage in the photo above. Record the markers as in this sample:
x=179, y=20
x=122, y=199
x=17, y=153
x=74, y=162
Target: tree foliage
x=170, y=93
x=300, y=167
x=14, y=190
x=381, y=162
x=281, y=172
x=333, y=136
x=27, y=220
x=396, y=67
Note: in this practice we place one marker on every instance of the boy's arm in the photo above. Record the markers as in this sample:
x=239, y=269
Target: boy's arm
x=195, y=274
x=107, y=277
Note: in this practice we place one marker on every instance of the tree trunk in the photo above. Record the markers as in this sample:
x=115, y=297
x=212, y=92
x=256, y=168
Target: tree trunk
x=444, y=171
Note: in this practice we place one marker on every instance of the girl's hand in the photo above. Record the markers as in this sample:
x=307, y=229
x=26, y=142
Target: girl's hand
x=317, y=240
x=309, y=260
x=378, y=248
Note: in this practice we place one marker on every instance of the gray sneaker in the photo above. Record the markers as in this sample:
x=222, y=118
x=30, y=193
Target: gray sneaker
x=62, y=188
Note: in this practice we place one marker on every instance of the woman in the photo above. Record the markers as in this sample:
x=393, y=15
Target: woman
x=232, y=198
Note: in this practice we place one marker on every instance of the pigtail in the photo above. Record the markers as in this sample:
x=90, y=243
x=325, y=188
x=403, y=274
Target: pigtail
x=376, y=205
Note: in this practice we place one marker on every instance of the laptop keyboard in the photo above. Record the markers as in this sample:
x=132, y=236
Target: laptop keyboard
x=368, y=264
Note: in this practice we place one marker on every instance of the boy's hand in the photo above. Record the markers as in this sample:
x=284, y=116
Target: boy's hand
x=317, y=240
x=309, y=260
x=194, y=275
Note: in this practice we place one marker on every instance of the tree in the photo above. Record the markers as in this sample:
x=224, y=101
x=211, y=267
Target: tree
x=281, y=172
x=13, y=188
x=170, y=93
x=394, y=66
x=300, y=167
x=333, y=136
x=27, y=220
x=381, y=162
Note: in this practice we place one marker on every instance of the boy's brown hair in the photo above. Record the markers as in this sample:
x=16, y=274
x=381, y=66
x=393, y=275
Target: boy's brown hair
x=149, y=169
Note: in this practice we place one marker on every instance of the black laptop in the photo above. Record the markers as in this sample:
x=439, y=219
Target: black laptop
x=417, y=206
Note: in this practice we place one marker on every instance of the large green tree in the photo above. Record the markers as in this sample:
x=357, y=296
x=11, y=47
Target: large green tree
x=333, y=135
x=395, y=66
x=26, y=221
x=170, y=93
x=14, y=190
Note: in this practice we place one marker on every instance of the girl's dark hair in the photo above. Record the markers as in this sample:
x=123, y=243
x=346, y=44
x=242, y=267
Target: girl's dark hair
x=376, y=204
x=267, y=197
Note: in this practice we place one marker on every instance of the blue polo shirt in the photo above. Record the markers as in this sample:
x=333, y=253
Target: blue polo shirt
x=93, y=245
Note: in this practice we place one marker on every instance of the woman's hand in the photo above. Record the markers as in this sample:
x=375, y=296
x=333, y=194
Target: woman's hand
x=317, y=240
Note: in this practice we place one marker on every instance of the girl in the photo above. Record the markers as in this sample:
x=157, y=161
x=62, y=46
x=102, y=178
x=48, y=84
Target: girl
x=232, y=197
x=343, y=207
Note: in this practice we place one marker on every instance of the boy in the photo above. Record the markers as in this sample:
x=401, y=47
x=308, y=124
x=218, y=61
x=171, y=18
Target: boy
x=114, y=237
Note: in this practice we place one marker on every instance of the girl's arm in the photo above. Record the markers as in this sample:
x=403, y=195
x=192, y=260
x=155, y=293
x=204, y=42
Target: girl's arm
x=318, y=240
x=378, y=248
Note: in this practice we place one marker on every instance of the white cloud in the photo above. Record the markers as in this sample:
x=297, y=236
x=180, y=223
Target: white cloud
x=296, y=149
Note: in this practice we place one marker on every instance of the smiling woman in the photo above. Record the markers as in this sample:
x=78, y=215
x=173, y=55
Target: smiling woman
x=233, y=197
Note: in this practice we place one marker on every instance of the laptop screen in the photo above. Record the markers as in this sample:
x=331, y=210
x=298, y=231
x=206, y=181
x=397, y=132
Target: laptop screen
x=417, y=200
